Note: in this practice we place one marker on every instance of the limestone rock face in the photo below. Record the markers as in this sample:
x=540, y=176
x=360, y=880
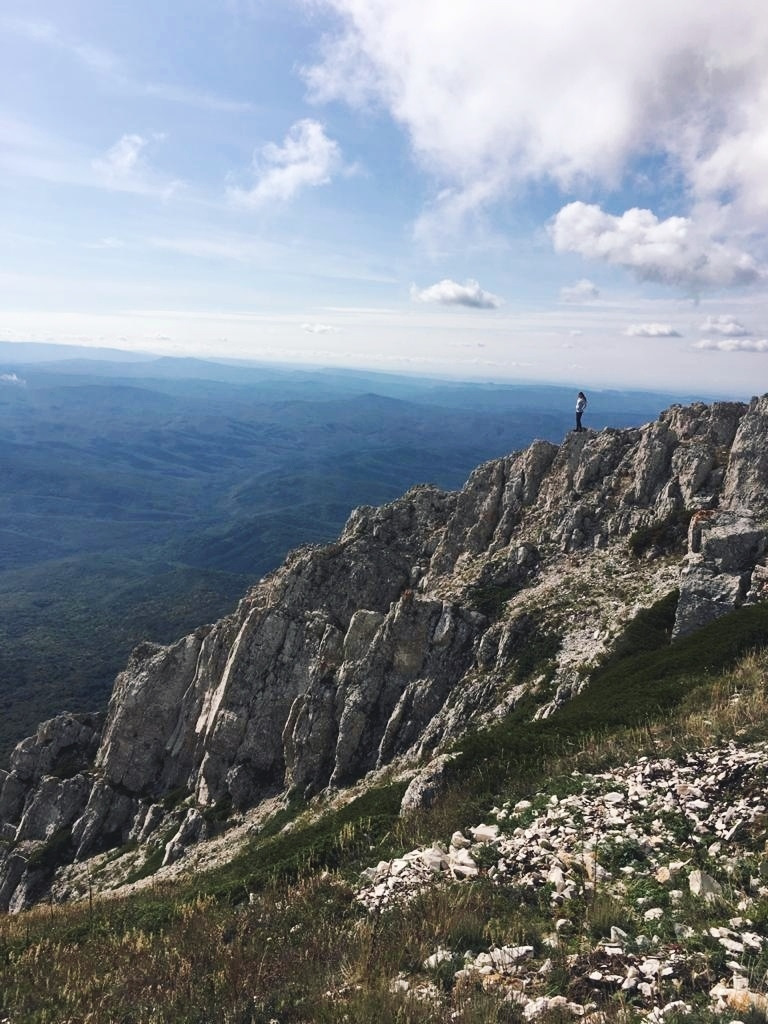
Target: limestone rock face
x=427, y=616
x=723, y=551
x=747, y=471
x=61, y=750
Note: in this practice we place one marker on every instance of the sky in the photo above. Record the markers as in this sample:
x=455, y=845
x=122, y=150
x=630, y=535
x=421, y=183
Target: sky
x=498, y=190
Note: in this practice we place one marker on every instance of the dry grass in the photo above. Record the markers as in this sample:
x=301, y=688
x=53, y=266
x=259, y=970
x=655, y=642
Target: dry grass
x=304, y=952
x=731, y=706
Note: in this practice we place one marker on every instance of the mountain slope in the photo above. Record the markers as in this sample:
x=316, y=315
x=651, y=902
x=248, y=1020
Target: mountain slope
x=436, y=613
x=130, y=486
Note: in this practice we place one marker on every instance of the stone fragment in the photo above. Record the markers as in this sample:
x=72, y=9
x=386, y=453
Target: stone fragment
x=425, y=787
x=461, y=864
x=702, y=884
x=459, y=841
x=440, y=956
x=485, y=833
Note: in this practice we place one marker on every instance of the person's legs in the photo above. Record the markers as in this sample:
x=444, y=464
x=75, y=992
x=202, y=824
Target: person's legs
x=578, y=420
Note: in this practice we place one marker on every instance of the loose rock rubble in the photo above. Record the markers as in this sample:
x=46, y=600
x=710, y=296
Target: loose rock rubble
x=694, y=829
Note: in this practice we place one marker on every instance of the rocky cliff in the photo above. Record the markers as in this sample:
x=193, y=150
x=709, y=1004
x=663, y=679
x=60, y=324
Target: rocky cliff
x=427, y=616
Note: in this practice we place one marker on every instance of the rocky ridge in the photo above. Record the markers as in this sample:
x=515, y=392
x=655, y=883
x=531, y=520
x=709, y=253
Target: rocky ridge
x=695, y=827
x=421, y=620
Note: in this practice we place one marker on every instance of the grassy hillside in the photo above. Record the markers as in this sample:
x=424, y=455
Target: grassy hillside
x=277, y=935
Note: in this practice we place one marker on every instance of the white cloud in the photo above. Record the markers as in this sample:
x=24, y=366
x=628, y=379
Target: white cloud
x=320, y=329
x=11, y=378
x=450, y=293
x=727, y=325
x=124, y=157
x=652, y=331
x=307, y=158
x=671, y=251
x=732, y=345
x=496, y=95
x=582, y=291
x=30, y=153
x=124, y=168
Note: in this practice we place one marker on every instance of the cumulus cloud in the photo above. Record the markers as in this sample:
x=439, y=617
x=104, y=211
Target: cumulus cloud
x=307, y=158
x=493, y=96
x=732, y=345
x=582, y=291
x=727, y=325
x=450, y=293
x=652, y=331
x=11, y=378
x=671, y=251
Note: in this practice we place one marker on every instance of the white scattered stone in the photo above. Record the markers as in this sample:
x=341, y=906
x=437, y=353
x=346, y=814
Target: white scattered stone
x=459, y=841
x=485, y=833
x=461, y=864
x=440, y=956
x=504, y=957
x=676, y=1006
x=399, y=984
x=434, y=859
x=650, y=967
x=702, y=884
x=731, y=945
x=556, y=877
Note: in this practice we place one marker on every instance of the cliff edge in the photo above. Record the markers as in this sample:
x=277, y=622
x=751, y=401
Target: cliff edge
x=428, y=616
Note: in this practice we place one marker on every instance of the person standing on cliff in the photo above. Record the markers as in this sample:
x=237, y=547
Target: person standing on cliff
x=581, y=405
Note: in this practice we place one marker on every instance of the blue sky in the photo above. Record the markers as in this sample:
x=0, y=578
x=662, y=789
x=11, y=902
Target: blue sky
x=489, y=189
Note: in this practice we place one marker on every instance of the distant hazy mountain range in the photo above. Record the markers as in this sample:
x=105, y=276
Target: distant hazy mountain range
x=141, y=495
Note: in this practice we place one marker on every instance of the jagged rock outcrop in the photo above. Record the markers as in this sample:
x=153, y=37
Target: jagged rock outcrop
x=428, y=615
x=723, y=550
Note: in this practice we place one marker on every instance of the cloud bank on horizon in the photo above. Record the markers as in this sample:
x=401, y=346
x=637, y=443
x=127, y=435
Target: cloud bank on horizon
x=598, y=181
